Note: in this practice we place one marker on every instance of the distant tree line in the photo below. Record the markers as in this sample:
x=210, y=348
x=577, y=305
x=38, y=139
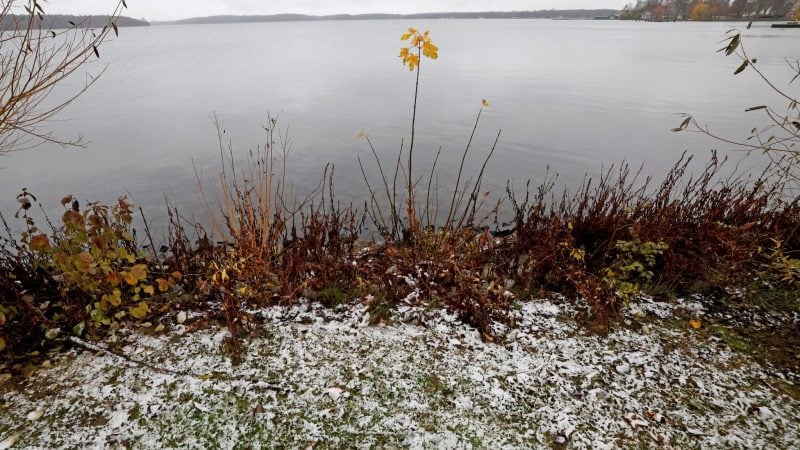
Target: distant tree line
x=661, y=10
x=544, y=14
x=63, y=21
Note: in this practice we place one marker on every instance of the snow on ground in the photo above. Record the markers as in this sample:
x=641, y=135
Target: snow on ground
x=317, y=378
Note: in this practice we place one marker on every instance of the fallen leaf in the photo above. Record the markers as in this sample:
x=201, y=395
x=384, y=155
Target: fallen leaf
x=695, y=432
x=334, y=393
x=695, y=323
x=36, y=414
x=9, y=442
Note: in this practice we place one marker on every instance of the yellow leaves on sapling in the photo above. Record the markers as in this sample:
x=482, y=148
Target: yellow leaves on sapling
x=419, y=45
x=430, y=50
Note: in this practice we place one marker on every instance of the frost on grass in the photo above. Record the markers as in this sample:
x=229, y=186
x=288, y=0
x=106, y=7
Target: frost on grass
x=327, y=379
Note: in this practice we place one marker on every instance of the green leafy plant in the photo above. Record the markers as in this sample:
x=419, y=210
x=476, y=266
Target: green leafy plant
x=786, y=268
x=95, y=259
x=634, y=264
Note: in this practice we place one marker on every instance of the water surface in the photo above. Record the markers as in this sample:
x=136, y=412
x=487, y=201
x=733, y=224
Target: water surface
x=572, y=95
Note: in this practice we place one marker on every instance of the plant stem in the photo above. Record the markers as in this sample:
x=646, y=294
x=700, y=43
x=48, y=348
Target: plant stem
x=412, y=221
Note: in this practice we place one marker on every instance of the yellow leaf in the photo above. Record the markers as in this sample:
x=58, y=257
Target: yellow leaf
x=405, y=37
x=412, y=30
x=224, y=275
x=695, y=323
x=139, y=271
x=163, y=285
x=129, y=278
x=112, y=278
x=403, y=52
x=39, y=243
x=73, y=220
x=83, y=262
x=123, y=254
x=485, y=103
x=140, y=311
x=176, y=275
x=116, y=296
x=148, y=289
x=427, y=49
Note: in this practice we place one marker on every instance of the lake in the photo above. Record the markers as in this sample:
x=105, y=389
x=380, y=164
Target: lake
x=576, y=96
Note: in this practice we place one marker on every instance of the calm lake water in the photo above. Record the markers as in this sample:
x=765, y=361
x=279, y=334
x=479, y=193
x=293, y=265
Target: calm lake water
x=572, y=95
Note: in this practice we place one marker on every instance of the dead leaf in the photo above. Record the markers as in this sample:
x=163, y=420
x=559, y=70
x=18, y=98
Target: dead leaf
x=36, y=414
x=9, y=441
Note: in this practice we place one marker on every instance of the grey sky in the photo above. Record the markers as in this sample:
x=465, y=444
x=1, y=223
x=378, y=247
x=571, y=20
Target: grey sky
x=180, y=9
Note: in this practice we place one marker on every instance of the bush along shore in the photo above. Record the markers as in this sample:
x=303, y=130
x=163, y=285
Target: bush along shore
x=732, y=239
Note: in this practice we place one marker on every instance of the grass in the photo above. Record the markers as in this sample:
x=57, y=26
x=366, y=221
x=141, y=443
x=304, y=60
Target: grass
x=411, y=386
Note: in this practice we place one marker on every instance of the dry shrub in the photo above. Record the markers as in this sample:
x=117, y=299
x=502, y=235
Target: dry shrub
x=606, y=242
x=713, y=230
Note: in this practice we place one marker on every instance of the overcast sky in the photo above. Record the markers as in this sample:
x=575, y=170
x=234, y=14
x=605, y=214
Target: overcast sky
x=181, y=9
